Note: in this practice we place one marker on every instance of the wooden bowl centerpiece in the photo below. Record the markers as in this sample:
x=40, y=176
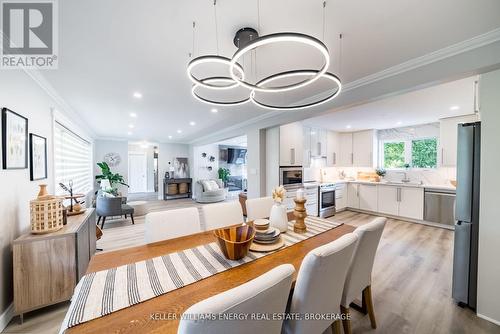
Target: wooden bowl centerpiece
x=235, y=241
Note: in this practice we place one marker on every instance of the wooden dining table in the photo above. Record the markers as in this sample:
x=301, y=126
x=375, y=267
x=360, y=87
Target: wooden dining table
x=162, y=314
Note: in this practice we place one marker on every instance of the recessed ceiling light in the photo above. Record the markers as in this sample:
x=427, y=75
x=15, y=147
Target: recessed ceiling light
x=131, y=126
x=399, y=123
x=348, y=126
x=179, y=131
x=133, y=114
x=169, y=137
x=454, y=108
x=192, y=123
x=214, y=110
x=129, y=133
x=137, y=95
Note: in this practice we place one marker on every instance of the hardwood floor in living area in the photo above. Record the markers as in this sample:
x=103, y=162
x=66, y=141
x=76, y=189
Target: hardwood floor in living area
x=411, y=279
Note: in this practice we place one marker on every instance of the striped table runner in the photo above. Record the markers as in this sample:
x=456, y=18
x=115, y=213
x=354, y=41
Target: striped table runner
x=104, y=292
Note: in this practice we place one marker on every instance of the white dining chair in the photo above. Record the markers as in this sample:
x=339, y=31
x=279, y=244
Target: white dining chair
x=266, y=294
x=259, y=207
x=359, y=276
x=222, y=214
x=319, y=286
x=171, y=224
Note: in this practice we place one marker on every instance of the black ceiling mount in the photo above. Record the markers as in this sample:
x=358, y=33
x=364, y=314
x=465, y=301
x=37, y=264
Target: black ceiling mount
x=244, y=36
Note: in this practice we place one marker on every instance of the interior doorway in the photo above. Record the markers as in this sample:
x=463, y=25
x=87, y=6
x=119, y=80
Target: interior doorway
x=137, y=172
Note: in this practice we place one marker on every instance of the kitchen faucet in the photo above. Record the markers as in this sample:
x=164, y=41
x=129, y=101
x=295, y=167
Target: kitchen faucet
x=405, y=179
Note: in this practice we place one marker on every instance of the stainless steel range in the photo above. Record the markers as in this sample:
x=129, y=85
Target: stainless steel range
x=327, y=199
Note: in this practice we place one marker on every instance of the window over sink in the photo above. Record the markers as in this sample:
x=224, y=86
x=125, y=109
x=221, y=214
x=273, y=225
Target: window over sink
x=409, y=146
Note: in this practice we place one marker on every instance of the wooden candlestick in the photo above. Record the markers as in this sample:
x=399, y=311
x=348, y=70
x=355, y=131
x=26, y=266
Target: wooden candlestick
x=300, y=214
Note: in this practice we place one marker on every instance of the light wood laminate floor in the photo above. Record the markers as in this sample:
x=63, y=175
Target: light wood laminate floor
x=411, y=279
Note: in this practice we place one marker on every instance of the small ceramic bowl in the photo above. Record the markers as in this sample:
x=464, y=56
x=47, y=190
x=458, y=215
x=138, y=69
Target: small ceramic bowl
x=261, y=224
x=235, y=242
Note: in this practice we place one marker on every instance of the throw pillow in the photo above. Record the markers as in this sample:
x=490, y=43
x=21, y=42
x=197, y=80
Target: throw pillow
x=214, y=185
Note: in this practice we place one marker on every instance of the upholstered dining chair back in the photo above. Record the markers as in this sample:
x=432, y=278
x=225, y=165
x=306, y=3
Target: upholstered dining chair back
x=360, y=270
x=220, y=215
x=259, y=207
x=266, y=294
x=320, y=283
x=171, y=224
x=108, y=206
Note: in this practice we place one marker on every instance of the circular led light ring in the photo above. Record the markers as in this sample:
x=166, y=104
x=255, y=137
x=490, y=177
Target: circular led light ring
x=277, y=38
x=217, y=103
x=213, y=59
x=288, y=74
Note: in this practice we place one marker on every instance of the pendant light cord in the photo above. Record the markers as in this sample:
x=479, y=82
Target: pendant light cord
x=216, y=27
x=191, y=54
x=324, y=20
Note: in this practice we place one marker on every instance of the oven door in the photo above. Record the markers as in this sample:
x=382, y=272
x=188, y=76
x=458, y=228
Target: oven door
x=327, y=199
x=291, y=177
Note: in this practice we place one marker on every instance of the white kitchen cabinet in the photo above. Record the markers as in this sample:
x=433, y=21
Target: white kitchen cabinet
x=288, y=201
x=340, y=196
x=345, y=156
x=332, y=148
x=411, y=203
x=364, y=148
x=388, y=200
x=312, y=195
x=353, y=195
x=448, y=138
x=306, y=130
x=291, y=144
x=368, y=197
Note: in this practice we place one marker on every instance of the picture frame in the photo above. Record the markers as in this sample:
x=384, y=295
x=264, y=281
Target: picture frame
x=14, y=140
x=38, y=157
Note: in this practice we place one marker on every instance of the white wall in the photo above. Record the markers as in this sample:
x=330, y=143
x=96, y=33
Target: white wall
x=21, y=94
x=256, y=165
x=167, y=153
x=488, y=301
x=200, y=164
x=102, y=147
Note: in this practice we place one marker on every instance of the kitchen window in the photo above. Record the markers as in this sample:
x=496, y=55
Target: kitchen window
x=72, y=160
x=416, y=153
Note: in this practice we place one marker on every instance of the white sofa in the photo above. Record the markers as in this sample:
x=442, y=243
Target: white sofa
x=209, y=196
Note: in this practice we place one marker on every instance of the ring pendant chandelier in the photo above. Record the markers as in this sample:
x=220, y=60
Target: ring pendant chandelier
x=248, y=40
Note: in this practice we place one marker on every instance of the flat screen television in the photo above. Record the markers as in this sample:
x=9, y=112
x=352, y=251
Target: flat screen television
x=236, y=156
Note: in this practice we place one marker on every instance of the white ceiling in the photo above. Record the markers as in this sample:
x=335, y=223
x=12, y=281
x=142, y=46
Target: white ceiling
x=417, y=107
x=110, y=49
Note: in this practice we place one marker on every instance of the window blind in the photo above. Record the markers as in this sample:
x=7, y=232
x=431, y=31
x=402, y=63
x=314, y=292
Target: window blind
x=73, y=160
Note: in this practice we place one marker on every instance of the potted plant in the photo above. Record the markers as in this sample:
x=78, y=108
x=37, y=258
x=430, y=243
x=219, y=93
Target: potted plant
x=224, y=175
x=380, y=172
x=114, y=178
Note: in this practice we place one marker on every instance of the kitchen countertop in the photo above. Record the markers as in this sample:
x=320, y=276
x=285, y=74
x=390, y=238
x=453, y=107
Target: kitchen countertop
x=412, y=185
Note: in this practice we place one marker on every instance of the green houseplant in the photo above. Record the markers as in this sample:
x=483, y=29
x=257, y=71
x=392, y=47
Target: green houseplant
x=114, y=178
x=224, y=174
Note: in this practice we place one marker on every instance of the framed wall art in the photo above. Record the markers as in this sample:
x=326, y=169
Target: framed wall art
x=38, y=157
x=14, y=140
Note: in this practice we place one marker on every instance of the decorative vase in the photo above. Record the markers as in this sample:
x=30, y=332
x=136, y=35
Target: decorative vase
x=278, y=217
x=42, y=193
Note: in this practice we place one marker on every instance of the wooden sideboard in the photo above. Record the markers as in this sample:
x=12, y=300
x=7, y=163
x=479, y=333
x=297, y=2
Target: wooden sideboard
x=47, y=267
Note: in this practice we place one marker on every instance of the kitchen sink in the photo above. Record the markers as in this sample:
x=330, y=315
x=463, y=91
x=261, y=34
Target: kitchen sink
x=404, y=183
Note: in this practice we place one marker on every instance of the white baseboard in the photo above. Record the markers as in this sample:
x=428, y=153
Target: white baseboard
x=6, y=316
x=496, y=322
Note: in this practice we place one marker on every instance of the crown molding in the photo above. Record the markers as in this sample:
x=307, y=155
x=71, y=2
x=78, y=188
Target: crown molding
x=412, y=64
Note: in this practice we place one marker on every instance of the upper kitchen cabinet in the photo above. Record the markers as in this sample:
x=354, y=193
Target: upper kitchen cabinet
x=357, y=149
x=448, y=138
x=345, y=156
x=315, y=144
x=291, y=144
x=364, y=148
x=306, y=130
x=332, y=148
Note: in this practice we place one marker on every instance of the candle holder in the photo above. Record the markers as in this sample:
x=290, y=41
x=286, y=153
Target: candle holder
x=300, y=214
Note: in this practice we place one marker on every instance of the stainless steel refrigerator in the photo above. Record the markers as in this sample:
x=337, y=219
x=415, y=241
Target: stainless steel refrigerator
x=464, y=288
